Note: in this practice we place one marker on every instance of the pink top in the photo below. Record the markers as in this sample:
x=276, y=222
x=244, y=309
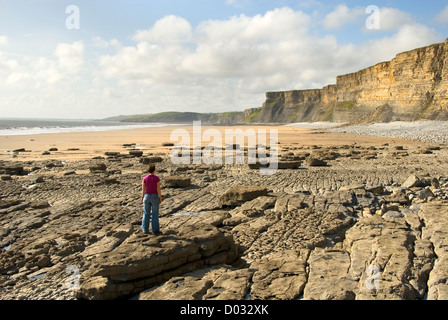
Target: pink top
x=150, y=182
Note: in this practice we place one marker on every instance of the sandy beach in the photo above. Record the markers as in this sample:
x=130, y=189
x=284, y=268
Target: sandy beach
x=85, y=145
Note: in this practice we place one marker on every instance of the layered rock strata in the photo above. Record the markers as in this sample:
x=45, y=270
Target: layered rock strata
x=412, y=86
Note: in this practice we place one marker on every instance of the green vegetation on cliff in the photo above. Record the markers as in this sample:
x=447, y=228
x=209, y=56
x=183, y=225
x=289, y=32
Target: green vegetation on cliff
x=183, y=117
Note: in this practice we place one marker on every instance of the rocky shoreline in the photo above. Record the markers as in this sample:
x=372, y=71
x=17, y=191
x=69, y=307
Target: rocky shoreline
x=344, y=222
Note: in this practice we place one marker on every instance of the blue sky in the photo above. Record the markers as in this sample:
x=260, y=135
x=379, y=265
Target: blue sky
x=134, y=57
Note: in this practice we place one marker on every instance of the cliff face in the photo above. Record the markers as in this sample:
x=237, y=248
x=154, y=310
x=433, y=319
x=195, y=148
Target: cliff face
x=413, y=86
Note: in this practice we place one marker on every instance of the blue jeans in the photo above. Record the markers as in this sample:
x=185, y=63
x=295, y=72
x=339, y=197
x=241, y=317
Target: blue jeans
x=150, y=202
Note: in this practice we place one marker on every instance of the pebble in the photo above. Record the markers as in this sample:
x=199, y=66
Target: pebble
x=429, y=131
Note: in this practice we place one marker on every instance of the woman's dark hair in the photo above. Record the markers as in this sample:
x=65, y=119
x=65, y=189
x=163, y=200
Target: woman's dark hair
x=151, y=168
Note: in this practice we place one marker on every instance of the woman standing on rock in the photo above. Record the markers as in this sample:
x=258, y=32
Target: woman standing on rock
x=151, y=198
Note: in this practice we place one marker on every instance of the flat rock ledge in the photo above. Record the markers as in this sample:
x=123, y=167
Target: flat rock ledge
x=143, y=261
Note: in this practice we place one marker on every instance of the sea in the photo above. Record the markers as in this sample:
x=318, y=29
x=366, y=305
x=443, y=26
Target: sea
x=18, y=126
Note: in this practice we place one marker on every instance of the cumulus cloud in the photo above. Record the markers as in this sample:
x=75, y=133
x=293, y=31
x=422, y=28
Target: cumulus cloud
x=240, y=47
x=169, y=30
x=35, y=72
x=394, y=19
x=7, y=64
x=274, y=51
x=3, y=41
x=390, y=18
x=442, y=17
x=245, y=47
x=70, y=56
x=343, y=15
x=407, y=37
x=101, y=43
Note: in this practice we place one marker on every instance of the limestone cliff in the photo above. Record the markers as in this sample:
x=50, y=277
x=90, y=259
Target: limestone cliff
x=413, y=86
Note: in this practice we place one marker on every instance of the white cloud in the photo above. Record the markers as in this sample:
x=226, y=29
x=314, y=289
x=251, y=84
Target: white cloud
x=3, y=41
x=442, y=17
x=70, y=56
x=275, y=25
x=394, y=19
x=170, y=29
x=390, y=18
x=343, y=15
x=407, y=37
x=101, y=43
x=7, y=64
x=44, y=71
x=34, y=72
x=238, y=47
